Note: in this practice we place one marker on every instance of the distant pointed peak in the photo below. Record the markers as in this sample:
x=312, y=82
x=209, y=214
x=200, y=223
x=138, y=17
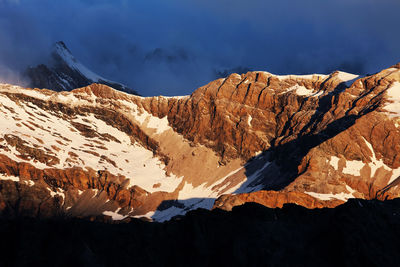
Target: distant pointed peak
x=61, y=45
x=66, y=72
x=61, y=50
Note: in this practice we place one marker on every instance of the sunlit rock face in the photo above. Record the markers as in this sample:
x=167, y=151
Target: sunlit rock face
x=313, y=140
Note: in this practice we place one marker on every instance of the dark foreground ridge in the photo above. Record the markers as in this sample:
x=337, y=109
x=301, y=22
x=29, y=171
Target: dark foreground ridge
x=357, y=233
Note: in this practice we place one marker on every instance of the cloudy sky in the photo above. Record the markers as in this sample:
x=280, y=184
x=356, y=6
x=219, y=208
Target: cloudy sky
x=172, y=47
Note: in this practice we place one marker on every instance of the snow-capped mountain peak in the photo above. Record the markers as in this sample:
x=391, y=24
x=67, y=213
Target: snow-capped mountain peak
x=67, y=73
x=61, y=50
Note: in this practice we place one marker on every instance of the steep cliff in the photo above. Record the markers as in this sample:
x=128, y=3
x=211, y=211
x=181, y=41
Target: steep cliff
x=313, y=140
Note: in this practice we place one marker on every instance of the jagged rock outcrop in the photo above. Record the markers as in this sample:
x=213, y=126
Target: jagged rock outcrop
x=314, y=140
x=350, y=148
x=241, y=115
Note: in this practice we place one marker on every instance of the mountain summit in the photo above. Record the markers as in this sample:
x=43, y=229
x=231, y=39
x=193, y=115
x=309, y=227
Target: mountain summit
x=67, y=73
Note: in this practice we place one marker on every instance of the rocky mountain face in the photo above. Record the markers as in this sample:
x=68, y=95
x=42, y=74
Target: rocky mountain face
x=66, y=73
x=313, y=140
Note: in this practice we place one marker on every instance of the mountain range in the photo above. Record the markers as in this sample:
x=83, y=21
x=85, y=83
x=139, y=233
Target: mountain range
x=95, y=152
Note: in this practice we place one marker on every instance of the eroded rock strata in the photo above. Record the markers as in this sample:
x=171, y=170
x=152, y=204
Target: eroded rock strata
x=314, y=140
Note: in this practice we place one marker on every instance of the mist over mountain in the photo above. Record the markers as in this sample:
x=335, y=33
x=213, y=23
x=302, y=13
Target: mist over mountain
x=172, y=47
x=199, y=133
x=64, y=73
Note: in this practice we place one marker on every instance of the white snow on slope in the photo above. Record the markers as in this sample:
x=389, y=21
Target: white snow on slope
x=114, y=215
x=303, y=91
x=58, y=192
x=201, y=191
x=307, y=76
x=73, y=63
x=344, y=76
x=4, y=87
x=393, y=94
x=334, y=162
x=175, y=97
x=249, y=119
x=148, y=215
x=375, y=163
x=245, y=186
x=29, y=183
x=48, y=131
x=353, y=167
x=341, y=196
x=204, y=196
x=147, y=120
x=6, y=177
x=161, y=125
x=348, y=78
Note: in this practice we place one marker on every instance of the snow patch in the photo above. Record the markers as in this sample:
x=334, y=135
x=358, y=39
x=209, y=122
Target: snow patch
x=147, y=215
x=26, y=91
x=303, y=91
x=395, y=175
x=114, y=215
x=244, y=186
x=59, y=192
x=393, y=94
x=175, y=97
x=96, y=191
x=391, y=70
x=146, y=119
x=353, y=167
x=201, y=191
x=308, y=76
x=9, y=177
x=375, y=163
x=334, y=162
x=341, y=196
x=161, y=125
x=348, y=78
x=249, y=119
x=258, y=153
x=29, y=183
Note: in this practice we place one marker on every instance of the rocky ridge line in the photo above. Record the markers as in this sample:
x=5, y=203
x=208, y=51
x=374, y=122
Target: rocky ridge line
x=313, y=140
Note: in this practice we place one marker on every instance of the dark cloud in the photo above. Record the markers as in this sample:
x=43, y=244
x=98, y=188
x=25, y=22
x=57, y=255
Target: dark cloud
x=355, y=66
x=226, y=72
x=160, y=54
x=172, y=47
